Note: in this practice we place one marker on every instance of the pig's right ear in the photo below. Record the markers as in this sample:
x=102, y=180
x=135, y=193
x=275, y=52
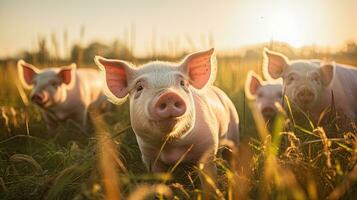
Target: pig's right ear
x=252, y=84
x=116, y=73
x=274, y=64
x=26, y=73
x=201, y=68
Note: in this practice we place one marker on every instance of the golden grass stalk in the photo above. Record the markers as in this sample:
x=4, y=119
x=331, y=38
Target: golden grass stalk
x=207, y=173
x=145, y=190
x=108, y=159
x=346, y=184
x=6, y=118
x=181, y=158
x=326, y=143
x=341, y=189
x=28, y=159
x=20, y=89
x=239, y=176
x=2, y=183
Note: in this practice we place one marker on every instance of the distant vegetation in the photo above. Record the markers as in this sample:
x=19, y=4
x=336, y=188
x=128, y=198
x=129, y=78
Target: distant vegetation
x=295, y=161
x=48, y=51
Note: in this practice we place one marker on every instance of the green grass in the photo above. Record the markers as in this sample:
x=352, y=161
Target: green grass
x=296, y=161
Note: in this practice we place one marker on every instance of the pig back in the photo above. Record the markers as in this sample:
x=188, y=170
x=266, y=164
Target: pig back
x=91, y=87
x=344, y=88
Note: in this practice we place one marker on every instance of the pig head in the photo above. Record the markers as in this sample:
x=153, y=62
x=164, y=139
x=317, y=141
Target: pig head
x=309, y=84
x=175, y=104
x=48, y=86
x=266, y=95
x=62, y=93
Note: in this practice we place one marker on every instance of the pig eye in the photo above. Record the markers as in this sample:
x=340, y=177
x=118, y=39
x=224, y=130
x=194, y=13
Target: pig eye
x=290, y=79
x=139, y=88
x=316, y=78
x=182, y=83
x=54, y=83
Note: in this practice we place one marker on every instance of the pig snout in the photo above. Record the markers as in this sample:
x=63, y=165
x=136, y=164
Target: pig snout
x=268, y=111
x=38, y=98
x=168, y=105
x=305, y=96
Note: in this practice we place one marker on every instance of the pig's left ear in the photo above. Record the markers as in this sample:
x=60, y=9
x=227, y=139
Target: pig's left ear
x=327, y=71
x=252, y=84
x=68, y=74
x=201, y=68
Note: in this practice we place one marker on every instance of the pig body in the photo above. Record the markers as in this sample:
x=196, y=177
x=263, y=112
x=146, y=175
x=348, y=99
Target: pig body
x=215, y=119
x=174, y=105
x=266, y=95
x=309, y=84
x=343, y=86
x=86, y=93
x=64, y=93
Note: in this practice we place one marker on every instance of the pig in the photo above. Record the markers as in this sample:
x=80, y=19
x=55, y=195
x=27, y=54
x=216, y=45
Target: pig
x=63, y=93
x=309, y=84
x=265, y=93
x=175, y=105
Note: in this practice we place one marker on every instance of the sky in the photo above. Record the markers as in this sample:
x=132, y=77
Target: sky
x=160, y=25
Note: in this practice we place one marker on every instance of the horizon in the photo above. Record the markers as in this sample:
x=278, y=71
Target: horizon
x=228, y=26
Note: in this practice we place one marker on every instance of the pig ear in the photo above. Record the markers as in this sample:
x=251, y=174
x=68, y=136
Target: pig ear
x=327, y=71
x=67, y=74
x=116, y=74
x=274, y=64
x=252, y=84
x=201, y=68
x=26, y=73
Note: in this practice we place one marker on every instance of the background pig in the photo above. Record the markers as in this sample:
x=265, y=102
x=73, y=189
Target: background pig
x=62, y=93
x=266, y=94
x=309, y=83
x=176, y=103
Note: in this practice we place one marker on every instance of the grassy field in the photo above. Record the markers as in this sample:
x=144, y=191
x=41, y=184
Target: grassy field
x=294, y=161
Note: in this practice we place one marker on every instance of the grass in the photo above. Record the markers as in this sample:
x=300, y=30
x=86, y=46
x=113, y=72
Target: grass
x=295, y=161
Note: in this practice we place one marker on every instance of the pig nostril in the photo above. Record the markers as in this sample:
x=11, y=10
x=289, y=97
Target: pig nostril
x=162, y=106
x=177, y=104
x=36, y=97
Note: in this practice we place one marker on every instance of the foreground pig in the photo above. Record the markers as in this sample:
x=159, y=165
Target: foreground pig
x=309, y=84
x=176, y=103
x=63, y=93
x=266, y=95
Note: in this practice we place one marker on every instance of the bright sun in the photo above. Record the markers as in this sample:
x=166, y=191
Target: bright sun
x=285, y=26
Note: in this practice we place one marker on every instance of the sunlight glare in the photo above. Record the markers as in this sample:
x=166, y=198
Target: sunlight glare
x=285, y=26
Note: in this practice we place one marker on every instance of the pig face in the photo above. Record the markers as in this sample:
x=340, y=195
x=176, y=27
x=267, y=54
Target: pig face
x=265, y=94
x=160, y=93
x=48, y=86
x=303, y=80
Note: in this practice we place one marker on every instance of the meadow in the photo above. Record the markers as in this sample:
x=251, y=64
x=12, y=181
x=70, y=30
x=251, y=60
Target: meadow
x=293, y=160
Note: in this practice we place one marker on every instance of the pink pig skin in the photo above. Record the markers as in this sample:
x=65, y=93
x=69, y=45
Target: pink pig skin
x=216, y=118
x=345, y=93
x=77, y=90
x=85, y=94
x=310, y=83
x=209, y=114
x=265, y=93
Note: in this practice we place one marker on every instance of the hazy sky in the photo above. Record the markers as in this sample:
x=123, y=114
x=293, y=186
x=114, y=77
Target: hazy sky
x=232, y=23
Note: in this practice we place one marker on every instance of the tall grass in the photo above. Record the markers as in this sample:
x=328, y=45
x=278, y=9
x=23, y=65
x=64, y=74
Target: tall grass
x=293, y=161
